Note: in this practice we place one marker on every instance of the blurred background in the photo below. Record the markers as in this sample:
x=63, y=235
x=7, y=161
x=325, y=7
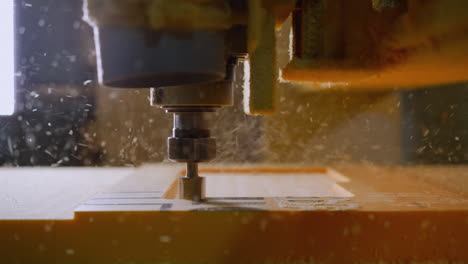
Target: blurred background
x=63, y=118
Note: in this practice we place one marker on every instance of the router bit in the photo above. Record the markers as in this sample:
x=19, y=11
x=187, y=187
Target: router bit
x=192, y=186
x=191, y=142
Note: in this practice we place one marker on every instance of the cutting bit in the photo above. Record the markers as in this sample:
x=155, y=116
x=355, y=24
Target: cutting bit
x=191, y=142
x=192, y=186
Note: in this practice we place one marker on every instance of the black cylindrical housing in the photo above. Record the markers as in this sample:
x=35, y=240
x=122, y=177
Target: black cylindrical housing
x=134, y=57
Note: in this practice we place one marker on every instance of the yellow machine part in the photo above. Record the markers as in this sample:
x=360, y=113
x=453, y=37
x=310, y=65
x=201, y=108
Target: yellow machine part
x=409, y=45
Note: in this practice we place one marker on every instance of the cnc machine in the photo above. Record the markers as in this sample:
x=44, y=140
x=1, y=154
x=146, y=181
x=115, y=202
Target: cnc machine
x=339, y=80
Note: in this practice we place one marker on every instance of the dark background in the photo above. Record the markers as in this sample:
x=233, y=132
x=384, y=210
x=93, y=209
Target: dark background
x=54, y=85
